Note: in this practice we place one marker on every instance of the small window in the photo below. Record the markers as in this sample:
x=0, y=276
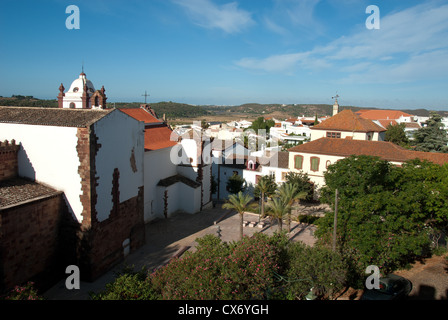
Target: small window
x=327, y=164
x=72, y=105
x=315, y=164
x=334, y=135
x=298, y=162
x=284, y=176
x=76, y=89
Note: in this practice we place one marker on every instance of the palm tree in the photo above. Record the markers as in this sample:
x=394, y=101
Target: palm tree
x=238, y=202
x=265, y=187
x=278, y=209
x=289, y=192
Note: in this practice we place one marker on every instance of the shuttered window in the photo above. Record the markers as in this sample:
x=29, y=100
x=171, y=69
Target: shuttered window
x=315, y=164
x=298, y=162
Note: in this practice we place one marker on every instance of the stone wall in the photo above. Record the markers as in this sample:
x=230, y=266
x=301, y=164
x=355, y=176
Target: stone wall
x=29, y=241
x=8, y=160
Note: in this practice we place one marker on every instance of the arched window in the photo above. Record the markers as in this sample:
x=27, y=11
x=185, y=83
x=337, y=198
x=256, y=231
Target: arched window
x=97, y=101
x=72, y=105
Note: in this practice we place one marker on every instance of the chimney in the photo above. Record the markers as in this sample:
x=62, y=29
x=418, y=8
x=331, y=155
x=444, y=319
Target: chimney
x=9, y=164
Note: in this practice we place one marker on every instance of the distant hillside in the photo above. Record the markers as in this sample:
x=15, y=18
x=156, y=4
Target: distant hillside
x=291, y=110
x=172, y=110
x=178, y=111
x=27, y=101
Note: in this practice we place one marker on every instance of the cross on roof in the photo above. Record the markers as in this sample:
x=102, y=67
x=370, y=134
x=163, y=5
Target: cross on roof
x=145, y=95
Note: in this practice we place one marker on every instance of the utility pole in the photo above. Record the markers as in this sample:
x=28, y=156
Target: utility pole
x=335, y=225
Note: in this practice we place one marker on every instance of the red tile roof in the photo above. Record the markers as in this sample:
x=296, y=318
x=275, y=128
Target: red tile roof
x=157, y=133
x=385, y=150
x=159, y=137
x=347, y=120
x=141, y=115
x=382, y=114
x=386, y=123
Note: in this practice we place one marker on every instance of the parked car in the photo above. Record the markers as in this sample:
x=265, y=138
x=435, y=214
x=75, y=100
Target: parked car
x=392, y=287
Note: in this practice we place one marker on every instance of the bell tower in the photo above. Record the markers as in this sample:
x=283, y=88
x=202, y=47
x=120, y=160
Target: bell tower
x=335, y=105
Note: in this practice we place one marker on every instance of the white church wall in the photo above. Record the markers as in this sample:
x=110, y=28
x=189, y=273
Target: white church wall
x=122, y=146
x=181, y=198
x=158, y=166
x=48, y=155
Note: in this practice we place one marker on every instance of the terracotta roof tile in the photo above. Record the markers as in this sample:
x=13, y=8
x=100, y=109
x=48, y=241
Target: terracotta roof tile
x=141, y=115
x=178, y=178
x=347, y=120
x=382, y=114
x=157, y=134
x=52, y=116
x=385, y=150
x=159, y=137
x=17, y=190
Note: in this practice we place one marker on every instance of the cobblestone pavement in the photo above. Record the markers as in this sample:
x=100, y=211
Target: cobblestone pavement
x=167, y=237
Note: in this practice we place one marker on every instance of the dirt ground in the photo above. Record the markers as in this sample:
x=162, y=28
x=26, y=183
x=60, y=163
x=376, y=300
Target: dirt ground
x=429, y=280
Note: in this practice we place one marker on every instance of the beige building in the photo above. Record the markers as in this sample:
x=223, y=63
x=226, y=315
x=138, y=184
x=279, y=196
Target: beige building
x=348, y=125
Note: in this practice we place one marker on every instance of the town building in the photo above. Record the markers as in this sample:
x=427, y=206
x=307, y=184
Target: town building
x=85, y=179
x=98, y=168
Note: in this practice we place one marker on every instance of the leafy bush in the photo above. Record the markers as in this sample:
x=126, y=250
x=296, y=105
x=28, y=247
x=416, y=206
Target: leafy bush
x=25, y=292
x=128, y=285
x=314, y=267
x=218, y=270
x=260, y=267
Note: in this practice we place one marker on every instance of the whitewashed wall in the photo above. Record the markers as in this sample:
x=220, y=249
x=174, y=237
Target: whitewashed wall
x=158, y=166
x=119, y=135
x=48, y=155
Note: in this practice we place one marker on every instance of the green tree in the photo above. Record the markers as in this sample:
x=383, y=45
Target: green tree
x=382, y=211
x=278, y=209
x=303, y=183
x=261, y=124
x=290, y=193
x=396, y=134
x=432, y=137
x=265, y=187
x=238, y=202
x=314, y=267
x=235, y=184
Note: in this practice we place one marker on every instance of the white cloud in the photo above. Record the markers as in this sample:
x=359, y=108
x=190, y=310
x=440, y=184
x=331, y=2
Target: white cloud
x=411, y=45
x=227, y=17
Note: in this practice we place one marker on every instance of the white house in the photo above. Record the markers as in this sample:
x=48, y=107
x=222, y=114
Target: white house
x=173, y=169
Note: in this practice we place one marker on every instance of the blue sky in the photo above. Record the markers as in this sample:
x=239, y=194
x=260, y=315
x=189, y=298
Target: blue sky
x=231, y=52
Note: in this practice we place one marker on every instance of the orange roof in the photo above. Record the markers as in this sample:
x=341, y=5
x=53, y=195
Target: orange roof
x=382, y=114
x=385, y=150
x=159, y=137
x=141, y=115
x=347, y=120
x=386, y=123
x=157, y=133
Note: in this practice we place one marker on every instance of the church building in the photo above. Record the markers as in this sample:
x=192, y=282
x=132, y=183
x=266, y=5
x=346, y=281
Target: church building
x=100, y=174
x=82, y=95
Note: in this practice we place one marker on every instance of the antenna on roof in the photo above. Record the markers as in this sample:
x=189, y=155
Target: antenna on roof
x=336, y=105
x=336, y=98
